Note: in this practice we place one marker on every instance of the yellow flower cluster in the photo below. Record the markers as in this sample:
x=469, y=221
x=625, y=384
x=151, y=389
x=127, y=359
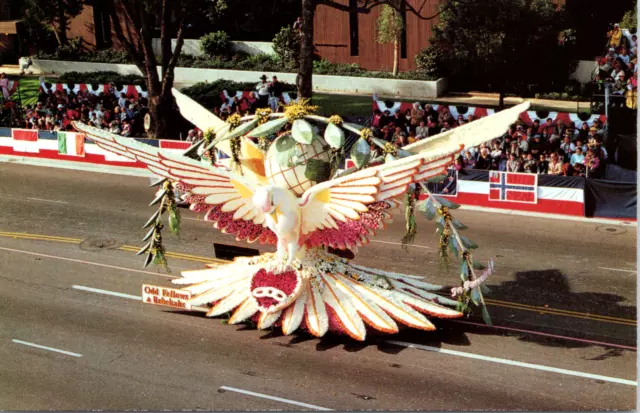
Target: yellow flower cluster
x=390, y=149
x=336, y=120
x=298, y=110
x=263, y=115
x=234, y=121
x=366, y=134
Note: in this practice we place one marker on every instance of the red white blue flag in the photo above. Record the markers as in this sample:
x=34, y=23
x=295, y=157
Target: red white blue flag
x=513, y=187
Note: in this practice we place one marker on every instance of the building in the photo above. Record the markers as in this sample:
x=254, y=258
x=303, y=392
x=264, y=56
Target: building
x=350, y=37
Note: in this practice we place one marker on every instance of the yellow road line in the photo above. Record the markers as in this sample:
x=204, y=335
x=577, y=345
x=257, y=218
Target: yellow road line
x=575, y=314
x=188, y=257
x=533, y=307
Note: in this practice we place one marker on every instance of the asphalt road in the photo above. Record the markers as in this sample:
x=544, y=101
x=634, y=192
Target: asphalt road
x=563, y=299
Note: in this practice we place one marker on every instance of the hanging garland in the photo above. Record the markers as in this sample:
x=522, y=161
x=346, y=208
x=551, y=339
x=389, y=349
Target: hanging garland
x=411, y=228
x=154, y=248
x=210, y=136
x=235, y=143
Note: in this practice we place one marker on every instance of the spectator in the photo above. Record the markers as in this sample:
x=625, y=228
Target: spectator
x=398, y=136
x=591, y=163
x=422, y=131
x=615, y=36
x=530, y=164
x=523, y=144
x=263, y=92
x=567, y=147
x=399, y=120
x=577, y=157
x=417, y=115
x=583, y=133
x=377, y=117
x=468, y=161
x=555, y=165
x=537, y=146
x=412, y=137
x=513, y=165
x=484, y=160
x=191, y=136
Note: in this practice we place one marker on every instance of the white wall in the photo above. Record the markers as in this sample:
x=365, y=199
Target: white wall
x=321, y=83
x=192, y=47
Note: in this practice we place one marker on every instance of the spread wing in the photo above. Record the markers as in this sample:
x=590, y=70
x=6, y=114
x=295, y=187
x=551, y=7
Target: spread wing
x=346, y=211
x=471, y=134
x=252, y=156
x=350, y=209
x=224, y=196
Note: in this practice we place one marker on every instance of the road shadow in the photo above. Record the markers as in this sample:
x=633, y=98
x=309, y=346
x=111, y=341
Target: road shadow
x=538, y=289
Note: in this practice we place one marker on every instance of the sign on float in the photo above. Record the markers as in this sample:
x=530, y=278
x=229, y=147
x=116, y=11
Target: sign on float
x=169, y=297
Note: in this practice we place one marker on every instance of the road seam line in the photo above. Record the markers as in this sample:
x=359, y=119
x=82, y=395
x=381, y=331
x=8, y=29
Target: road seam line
x=513, y=363
x=617, y=269
x=26, y=343
x=86, y=262
x=279, y=399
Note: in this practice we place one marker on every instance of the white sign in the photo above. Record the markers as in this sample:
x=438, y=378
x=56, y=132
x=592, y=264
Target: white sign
x=169, y=297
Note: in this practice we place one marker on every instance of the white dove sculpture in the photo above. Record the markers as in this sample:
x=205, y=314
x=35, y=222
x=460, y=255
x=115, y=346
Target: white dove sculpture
x=303, y=285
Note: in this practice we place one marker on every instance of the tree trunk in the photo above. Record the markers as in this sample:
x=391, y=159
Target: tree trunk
x=162, y=114
x=304, y=80
x=61, y=34
x=396, y=56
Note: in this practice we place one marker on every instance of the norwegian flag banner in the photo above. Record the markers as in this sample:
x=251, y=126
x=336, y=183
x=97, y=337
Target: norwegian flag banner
x=513, y=187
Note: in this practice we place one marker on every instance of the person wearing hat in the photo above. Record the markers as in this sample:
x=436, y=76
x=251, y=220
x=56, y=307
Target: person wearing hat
x=620, y=86
x=615, y=36
x=263, y=92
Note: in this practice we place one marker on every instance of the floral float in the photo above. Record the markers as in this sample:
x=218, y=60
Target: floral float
x=281, y=185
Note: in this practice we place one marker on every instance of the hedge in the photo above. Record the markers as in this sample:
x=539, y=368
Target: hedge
x=240, y=61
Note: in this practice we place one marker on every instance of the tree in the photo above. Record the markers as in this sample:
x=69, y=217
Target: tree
x=508, y=46
x=54, y=13
x=390, y=26
x=630, y=20
x=305, y=73
x=134, y=23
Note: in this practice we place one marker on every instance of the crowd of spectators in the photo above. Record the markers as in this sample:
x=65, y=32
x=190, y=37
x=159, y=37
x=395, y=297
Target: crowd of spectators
x=55, y=111
x=619, y=65
x=267, y=94
x=542, y=148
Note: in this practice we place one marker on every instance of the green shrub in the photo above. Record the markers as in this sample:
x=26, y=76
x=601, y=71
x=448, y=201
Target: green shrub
x=215, y=44
x=95, y=78
x=430, y=61
x=286, y=45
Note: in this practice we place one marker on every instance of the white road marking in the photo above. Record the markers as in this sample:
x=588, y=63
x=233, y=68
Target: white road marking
x=26, y=343
x=106, y=292
x=279, y=399
x=514, y=363
x=617, y=269
x=48, y=200
x=86, y=262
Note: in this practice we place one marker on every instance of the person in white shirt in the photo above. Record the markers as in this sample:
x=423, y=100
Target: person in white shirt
x=422, y=131
x=577, y=157
x=122, y=100
x=263, y=92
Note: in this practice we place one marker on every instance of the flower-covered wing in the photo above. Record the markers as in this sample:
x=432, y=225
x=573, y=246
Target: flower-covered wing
x=348, y=210
x=219, y=189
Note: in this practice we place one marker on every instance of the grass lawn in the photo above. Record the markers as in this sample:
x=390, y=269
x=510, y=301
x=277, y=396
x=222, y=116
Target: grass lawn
x=28, y=90
x=343, y=105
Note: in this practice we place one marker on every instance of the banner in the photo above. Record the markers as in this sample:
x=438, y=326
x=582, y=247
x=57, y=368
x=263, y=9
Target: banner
x=25, y=140
x=513, y=187
x=70, y=143
x=608, y=199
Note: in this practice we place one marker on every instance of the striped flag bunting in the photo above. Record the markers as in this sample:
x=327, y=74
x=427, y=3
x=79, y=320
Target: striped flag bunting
x=25, y=140
x=71, y=143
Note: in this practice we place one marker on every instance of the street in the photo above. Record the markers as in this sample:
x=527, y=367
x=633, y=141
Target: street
x=563, y=301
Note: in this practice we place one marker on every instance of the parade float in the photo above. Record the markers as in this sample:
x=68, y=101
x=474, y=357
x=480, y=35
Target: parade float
x=283, y=182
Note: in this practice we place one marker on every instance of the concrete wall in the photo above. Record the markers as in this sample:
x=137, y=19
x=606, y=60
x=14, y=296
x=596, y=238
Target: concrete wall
x=332, y=84
x=192, y=47
x=584, y=71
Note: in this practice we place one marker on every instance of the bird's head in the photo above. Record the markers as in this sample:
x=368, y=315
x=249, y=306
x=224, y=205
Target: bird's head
x=263, y=199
